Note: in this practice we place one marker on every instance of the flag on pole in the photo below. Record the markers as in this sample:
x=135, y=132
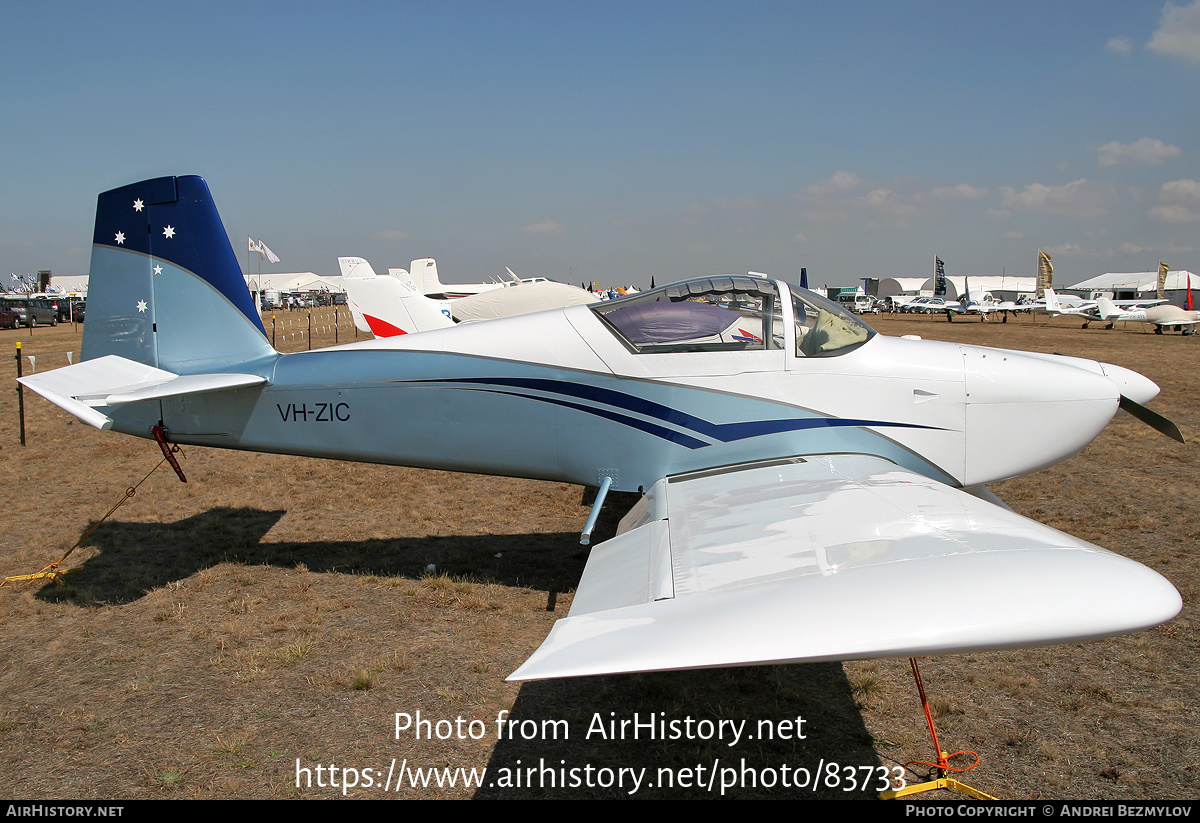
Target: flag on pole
x=1162, y=280
x=261, y=247
x=1045, y=275
x=939, y=277
x=803, y=277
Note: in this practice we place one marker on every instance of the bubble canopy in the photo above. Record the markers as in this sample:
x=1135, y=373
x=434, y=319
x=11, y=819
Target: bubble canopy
x=731, y=313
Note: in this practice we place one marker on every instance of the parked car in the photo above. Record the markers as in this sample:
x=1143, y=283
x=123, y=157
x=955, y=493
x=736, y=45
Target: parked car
x=65, y=307
x=858, y=303
x=9, y=319
x=32, y=311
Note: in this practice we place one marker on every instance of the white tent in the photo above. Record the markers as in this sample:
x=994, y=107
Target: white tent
x=1002, y=287
x=295, y=281
x=895, y=286
x=1141, y=282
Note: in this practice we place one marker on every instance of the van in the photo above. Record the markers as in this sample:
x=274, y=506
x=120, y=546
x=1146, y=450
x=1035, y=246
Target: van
x=31, y=311
x=857, y=302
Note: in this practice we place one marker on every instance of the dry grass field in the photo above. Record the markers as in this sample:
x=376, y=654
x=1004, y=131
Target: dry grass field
x=277, y=611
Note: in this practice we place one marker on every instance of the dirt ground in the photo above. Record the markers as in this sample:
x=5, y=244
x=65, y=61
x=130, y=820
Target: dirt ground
x=257, y=632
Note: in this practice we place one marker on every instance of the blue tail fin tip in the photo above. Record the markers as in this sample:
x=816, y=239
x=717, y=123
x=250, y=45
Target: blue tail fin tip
x=174, y=219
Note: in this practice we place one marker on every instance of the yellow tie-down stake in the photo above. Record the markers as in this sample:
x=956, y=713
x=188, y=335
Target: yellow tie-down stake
x=50, y=572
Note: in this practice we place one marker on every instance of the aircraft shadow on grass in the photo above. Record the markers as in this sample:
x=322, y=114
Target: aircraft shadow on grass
x=765, y=700
x=135, y=558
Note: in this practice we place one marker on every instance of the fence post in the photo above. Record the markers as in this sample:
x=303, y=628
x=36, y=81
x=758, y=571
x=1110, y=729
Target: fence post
x=20, y=394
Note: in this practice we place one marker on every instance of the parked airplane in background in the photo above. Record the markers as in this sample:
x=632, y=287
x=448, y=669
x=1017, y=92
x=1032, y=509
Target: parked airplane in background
x=1103, y=309
x=392, y=304
x=1161, y=316
x=1057, y=306
x=985, y=304
x=424, y=275
x=812, y=490
x=389, y=305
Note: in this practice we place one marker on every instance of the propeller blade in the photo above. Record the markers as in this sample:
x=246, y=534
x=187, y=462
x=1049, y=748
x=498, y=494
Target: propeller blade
x=1152, y=418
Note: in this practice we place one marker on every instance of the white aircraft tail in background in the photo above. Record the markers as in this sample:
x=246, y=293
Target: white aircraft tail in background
x=388, y=305
x=1077, y=308
x=425, y=275
x=394, y=304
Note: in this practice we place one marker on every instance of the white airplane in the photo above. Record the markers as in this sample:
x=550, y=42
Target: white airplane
x=1104, y=309
x=1161, y=316
x=986, y=304
x=392, y=304
x=424, y=274
x=1057, y=306
x=812, y=490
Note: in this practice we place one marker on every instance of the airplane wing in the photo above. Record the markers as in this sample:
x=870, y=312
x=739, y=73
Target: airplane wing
x=833, y=558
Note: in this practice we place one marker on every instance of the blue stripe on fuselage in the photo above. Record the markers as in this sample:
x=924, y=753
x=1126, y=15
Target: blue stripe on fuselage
x=724, y=432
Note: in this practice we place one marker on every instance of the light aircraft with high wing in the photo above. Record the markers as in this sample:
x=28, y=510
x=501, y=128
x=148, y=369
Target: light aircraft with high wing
x=387, y=305
x=811, y=489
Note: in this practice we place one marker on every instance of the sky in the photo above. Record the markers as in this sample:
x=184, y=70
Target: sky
x=619, y=141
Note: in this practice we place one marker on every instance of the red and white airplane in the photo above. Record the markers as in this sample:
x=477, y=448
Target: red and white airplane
x=391, y=304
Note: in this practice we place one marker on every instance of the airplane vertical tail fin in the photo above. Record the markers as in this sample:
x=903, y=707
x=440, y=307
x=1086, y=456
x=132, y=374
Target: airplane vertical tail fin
x=425, y=276
x=1052, y=303
x=352, y=267
x=389, y=305
x=1106, y=308
x=165, y=288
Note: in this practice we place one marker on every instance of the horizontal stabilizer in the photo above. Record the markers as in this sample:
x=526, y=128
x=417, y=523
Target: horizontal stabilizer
x=780, y=563
x=115, y=381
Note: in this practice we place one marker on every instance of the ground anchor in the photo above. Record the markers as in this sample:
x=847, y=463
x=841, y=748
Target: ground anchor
x=942, y=766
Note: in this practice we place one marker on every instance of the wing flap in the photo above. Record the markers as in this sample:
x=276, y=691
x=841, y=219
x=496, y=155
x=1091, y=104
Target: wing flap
x=837, y=558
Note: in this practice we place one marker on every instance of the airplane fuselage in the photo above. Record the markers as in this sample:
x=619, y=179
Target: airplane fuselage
x=495, y=398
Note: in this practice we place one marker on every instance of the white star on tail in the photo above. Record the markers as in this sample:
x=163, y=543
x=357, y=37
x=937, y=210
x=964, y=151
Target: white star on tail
x=138, y=205
x=141, y=306
x=169, y=231
x=158, y=269
x=120, y=238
